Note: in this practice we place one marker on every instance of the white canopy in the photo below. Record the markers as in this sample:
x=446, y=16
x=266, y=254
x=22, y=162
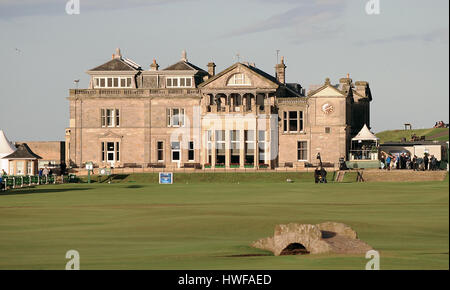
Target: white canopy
x=365, y=134
x=6, y=148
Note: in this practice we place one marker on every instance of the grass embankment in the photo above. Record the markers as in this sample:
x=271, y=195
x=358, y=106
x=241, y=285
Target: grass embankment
x=438, y=134
x=199, y=226
x=217, y=177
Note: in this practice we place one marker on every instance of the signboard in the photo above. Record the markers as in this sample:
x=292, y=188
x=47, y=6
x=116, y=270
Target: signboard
x=165, y=178
x=104, y=171
x=89, y=166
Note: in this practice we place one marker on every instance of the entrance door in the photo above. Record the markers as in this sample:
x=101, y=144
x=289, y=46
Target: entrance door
x=110, y=153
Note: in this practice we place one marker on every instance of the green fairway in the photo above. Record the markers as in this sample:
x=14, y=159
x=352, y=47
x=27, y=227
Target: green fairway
x=134, y=225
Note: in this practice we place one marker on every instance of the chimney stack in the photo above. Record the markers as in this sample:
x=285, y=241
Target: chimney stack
x=211, y=68
x=184, y=56
x=154, y=66
x=280, y=70
x=118, y=54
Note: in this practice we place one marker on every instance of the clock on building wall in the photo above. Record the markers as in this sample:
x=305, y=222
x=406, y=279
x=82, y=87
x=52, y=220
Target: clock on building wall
x=327, y=108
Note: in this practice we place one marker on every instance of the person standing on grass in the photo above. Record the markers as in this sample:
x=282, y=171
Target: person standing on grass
x=433, y=161
x=388, y=162
x=414, y=163
x=45, y=172
x=425, y=161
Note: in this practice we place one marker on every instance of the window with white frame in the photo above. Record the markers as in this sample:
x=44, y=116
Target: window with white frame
x=262, y=146
x=249, y=148
x=293, y=121
x=160, y=149
x=110, y=151
x=112, y=82
x=110, y=117
x=239, y=79
x=191, y=152
x=29, y=167
x=220, y=146
x=179, y=82
x=235, y=146
x=302, y=150
x=176, y=153
x=209, y=145
x=175, y=117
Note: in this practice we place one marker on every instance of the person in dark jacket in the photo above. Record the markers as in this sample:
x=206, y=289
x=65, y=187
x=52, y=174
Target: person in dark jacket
x=317, y=175
x=425, y=161
x=433, y=163
x=414, y=165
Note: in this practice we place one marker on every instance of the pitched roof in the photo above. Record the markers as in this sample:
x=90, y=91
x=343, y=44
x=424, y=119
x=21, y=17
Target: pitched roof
x=23, y=152
x=118, y=64
x=184, y=65
x=365, y=134
x=252, y=68
x=6, y=147
x=314, y=89
x=263, y=74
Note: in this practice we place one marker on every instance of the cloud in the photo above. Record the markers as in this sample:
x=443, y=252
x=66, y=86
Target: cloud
x=434, y=36
x=10, y=9
x=308, y=19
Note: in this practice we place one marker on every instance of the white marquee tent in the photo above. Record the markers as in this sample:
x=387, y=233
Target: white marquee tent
x=6, y=148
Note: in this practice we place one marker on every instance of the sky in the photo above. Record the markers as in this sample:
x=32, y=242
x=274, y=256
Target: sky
x=403, y=52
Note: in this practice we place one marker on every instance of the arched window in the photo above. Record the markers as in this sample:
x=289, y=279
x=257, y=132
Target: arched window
x=239, y=79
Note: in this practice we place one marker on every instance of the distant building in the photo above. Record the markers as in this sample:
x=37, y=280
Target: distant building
x=418, y=148
x=23, y=161
x=52, y=153
x=183, y=115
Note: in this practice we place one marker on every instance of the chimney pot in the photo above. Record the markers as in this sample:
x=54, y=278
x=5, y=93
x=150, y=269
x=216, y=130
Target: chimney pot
x=280, y=70
x=211, y=68
x=154, y=66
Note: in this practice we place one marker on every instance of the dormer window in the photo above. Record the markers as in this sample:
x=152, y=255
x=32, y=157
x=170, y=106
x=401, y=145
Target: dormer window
x=112, y=82
x=179, y=82
x=239, y=79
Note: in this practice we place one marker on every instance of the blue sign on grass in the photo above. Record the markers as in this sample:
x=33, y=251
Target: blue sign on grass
x=165, y=178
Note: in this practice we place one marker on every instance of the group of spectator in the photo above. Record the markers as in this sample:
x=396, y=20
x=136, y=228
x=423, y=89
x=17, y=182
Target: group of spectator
x=440, y=124
x=405, y=161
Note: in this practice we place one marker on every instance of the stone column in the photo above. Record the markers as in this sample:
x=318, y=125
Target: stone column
x=267, y=143
x=253, y=104
x=255, y=138
x=241, y=147
x=227, y=148
x=213, y=148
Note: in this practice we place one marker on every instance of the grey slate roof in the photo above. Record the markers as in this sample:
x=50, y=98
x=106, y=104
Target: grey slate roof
x=184, y=65
x=23, y=152
x=116, y=64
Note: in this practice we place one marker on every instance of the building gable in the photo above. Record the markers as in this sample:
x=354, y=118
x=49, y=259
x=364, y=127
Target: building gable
x=248, y=77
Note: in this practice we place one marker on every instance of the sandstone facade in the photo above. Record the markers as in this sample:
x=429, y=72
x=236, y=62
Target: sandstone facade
x=184, y=116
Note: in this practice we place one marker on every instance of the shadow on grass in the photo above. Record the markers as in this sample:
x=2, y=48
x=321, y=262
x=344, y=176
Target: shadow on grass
x=135, y=186
x=32, y=190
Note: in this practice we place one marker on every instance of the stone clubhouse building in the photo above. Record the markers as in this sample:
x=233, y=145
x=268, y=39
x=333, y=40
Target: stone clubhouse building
x=185, y=117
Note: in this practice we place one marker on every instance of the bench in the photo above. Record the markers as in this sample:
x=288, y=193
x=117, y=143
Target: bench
x=156, y=165
x=192, y=165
